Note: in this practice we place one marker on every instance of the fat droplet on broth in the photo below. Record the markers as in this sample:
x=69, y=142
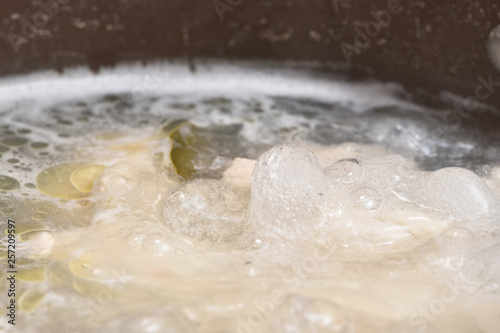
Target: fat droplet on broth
x=14, y=141
x=39, y=145
x=68, y=180
x=8, y=183
x=30, y=299
x=83, y=177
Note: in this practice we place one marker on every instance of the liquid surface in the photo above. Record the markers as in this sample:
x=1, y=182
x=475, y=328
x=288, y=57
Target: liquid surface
x=155, y=200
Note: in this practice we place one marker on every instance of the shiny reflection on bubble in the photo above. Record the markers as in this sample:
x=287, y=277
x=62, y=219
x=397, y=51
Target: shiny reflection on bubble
x=367, y=198
x=494, y=47
x=156, y=245
x=345, y=171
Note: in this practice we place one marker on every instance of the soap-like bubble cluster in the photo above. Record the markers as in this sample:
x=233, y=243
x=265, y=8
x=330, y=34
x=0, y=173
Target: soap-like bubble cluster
x=288, y=192
x=468, y=200
x=206, y=209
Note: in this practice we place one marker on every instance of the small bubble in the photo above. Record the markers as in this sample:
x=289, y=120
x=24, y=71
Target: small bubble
x=345, y=171
x=367, y=198
x=156, y=245
x=257, y=244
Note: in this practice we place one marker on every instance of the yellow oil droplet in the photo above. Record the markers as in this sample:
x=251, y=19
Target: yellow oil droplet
x=30, y=299
x=36, y=274
x=56, y=181
x=26, y=236
x=83, y=178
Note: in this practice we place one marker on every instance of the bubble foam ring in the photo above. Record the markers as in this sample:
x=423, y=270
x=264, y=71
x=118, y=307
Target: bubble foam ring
x=288, y=192
x=459, y=194
x=206, y=209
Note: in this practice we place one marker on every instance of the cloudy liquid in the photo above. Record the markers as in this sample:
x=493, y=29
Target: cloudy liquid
x=155, y=200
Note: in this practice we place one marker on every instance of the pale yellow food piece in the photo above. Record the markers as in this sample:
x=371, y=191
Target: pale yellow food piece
x=239, y=173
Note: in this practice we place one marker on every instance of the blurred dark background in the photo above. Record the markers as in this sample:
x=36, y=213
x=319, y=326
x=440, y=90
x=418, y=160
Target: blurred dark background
x=427, y=45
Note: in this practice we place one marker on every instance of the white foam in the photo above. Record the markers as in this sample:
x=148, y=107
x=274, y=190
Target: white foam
x=242, y=79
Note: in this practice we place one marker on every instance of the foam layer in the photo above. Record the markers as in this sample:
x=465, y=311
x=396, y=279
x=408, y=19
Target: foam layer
x=294, y=214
